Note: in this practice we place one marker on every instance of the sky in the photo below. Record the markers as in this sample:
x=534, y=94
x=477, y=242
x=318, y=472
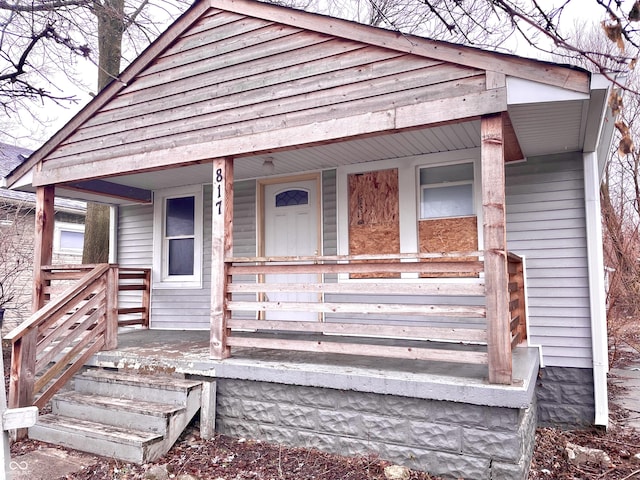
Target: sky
x=53, y=117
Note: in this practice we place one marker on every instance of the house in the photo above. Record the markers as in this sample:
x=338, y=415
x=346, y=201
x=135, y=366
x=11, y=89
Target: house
x=370, y=241
x=17, y=223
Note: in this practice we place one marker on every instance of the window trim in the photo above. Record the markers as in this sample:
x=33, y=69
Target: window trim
x=161, y=278
x=58, y=228
x=473, y=182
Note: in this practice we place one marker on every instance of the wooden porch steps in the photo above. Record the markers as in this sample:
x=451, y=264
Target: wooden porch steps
x=131, y=417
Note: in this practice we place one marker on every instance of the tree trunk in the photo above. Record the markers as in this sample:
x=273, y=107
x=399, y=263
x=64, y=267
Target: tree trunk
x=110, y=14
x=96, y=234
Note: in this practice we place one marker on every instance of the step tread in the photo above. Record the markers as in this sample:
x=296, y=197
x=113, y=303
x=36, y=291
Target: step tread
x=155, y=381
x=120, y=403
x=98, y=430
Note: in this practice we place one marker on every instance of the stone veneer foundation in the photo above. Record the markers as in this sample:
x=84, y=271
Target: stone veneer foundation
x=444, y=438
x=565, y=397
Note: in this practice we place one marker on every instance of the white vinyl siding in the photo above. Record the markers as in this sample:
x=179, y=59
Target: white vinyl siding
x=329, y=213
x=546, y=223
x=187, y=309
x=135, y=244
x=244, y=234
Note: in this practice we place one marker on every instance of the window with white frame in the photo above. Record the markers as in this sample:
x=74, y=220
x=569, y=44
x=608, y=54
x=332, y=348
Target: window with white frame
x=446, y=191
x=178, y=237
x=68, y=238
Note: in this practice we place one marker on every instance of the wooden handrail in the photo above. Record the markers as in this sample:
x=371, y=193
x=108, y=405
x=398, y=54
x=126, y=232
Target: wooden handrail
x=74, y=326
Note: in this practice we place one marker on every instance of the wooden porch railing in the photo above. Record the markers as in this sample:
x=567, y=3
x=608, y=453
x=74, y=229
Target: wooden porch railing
x=75, y=325
x=80, y=319
x=135, y=281
x=517, y=298
x=431, y=323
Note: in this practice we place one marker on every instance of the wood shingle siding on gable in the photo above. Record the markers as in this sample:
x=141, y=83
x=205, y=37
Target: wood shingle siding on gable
x=241, y=76
x=546, y=223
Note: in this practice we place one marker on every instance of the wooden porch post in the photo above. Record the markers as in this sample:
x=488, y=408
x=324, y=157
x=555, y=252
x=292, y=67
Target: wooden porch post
x=43, y=242
x=222, y=246
x=111, y=315
x=495, y=249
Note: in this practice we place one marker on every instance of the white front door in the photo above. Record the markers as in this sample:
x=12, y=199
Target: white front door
x=291, y=229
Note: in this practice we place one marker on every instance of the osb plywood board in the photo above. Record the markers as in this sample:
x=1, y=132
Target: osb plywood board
x=374, y=226
x=457, y=234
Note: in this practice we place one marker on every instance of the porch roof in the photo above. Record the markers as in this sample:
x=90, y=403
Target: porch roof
x=187, y=352
x=552, y=108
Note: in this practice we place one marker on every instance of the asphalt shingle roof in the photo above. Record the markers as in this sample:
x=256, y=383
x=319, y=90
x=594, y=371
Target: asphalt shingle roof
x=11, y=157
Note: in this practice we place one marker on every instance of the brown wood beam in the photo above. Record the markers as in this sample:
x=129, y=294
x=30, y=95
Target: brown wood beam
x=43, y=242
x=221, y=247
x=326, y=129
x=512, y=150
x=495, y=246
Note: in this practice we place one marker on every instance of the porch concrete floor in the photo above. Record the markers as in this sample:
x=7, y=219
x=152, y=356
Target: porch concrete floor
x=187, y=352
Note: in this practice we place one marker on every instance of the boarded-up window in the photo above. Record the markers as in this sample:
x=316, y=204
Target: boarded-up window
x=447, y=215
x=374, y=223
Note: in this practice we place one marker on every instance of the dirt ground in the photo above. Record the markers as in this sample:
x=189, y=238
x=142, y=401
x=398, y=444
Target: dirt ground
x=225, y=458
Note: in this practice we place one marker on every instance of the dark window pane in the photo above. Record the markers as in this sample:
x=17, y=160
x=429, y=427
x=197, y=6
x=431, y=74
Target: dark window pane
x=181, y=256
x=180, y=216
x=291, y=198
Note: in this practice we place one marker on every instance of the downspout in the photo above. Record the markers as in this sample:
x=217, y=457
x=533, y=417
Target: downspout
x=597, y=299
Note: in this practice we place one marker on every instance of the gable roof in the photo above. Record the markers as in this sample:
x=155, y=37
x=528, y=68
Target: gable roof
x=497, y=64
x=11, y=157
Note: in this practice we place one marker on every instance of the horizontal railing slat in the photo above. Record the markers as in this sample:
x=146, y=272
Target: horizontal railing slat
x=367, y=308
x=449, y=289
x=130, y=310
x=360, y=268
x=404, y=331
x=410, y=353
x=355, y=258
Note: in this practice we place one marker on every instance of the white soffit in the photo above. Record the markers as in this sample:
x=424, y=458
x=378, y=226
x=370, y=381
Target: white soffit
x=24, y=181
x=548, y=128
x=520, y=91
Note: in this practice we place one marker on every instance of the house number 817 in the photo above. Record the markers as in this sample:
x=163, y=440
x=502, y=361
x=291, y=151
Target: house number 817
x=219, y=179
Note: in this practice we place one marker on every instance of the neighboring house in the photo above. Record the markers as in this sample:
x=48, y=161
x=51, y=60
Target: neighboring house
x=303, y=183
x=17, y=224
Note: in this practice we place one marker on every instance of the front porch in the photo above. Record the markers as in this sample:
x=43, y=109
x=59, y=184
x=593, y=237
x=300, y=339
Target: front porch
x=186, y=353
x=444, y=418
